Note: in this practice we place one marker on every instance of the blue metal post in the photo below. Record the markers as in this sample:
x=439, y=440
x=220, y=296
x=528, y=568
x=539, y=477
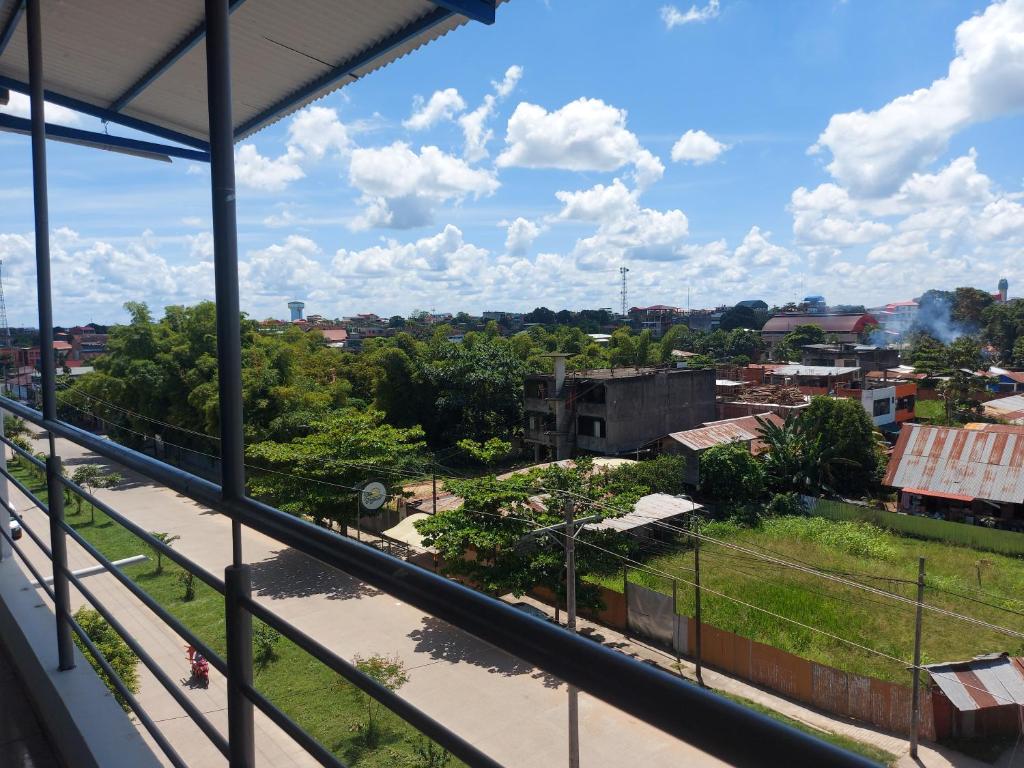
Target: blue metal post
x=58, y=544
x=238, y=634
x=225, y=259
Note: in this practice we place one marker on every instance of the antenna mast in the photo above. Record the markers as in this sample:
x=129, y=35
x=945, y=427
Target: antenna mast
x=5, y=330
x=625, y=305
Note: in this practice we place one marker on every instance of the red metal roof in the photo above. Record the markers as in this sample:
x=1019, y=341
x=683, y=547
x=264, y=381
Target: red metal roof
x=852, y=323
x=964, y=462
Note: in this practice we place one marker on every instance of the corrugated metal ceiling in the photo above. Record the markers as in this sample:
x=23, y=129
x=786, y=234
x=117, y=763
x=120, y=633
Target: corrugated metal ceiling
x=96, y=51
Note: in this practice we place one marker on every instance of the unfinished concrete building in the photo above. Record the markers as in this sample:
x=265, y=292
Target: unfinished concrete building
x=612, y=412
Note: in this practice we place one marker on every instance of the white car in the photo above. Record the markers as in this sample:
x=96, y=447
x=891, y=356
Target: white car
x=16, y=531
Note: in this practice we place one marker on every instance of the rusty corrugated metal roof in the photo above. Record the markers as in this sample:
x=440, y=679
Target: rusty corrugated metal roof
x=702, y=438
x=985, y=681
x=978, y=463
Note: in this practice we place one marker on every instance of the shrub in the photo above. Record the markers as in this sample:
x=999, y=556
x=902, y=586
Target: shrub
x=854, y=538
x=265, y=639
x=390, y=672
x=785, y=504
x=187, y=580
x=114, y=649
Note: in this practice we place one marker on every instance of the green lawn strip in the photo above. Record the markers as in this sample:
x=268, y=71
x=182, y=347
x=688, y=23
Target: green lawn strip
x=871, y=752
x=332, y=710
x=873, y=621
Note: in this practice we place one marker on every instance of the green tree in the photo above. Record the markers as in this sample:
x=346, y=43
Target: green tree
x=797, y=462
x=790, y=346
x=114, y=649
x=487, y=453
x=390, y=672
x=969, y=305
x=264, y=640
x=318, y=474
x=730, y=475
x=1018, y=353
x=846, y=441
x=740, y=316
x=960, y=394
x=166, y=539
x=92, y=477
x=927, y=354
x=964, y=353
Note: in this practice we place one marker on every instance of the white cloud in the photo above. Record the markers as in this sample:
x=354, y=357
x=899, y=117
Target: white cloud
x=827, y=216
x=193, y=221
x=19, y=105
x=401, y=188
x=255, y=171
x=673, y=17
x=874, y=152
x=625, y=229
x=474, y=124
x=313, y=133
x=508, y=83
x=316, y=131
x=756, y=249
x=697, y=147
x=520, y=236
x=584, y=135
x=442, y=105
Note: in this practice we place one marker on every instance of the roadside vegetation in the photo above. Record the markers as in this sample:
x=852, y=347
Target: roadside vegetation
x=332, y=710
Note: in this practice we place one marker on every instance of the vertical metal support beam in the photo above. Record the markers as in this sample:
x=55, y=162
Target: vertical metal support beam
x=625, y=596
x=42, y=211
x=59, y=550
x=225, y=258
x=5, y=518
x=238, y=631
x=675, y=618
x=915, y=703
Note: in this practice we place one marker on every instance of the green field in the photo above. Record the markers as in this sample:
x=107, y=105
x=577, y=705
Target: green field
x=332, y=710
x=988, y=586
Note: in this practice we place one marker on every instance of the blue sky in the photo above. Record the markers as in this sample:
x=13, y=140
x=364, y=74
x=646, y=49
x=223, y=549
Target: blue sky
x=724, y=150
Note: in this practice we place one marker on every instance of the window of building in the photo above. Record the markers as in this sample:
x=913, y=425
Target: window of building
x=537, y=389
x=590, y=426
x=595, y=393
x=905, y=403
x=883, y=406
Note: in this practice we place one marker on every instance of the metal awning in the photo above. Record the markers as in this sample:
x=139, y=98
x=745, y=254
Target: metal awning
x=939, y=494
x=994, y=680
x=143, y=64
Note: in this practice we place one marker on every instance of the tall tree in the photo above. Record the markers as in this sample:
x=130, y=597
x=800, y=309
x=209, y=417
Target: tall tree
x=318, y=474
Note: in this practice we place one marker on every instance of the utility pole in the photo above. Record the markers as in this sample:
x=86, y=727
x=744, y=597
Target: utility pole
x=915, y=705
x=433, y=483
x=623, y=271
x=696, y=603
x=571, y=526
x=570, y=599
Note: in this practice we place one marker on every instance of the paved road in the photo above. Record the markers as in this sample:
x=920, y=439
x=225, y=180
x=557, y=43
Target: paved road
x=511, y=710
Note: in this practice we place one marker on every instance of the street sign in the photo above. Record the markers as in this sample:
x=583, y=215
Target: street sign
x=373, y=496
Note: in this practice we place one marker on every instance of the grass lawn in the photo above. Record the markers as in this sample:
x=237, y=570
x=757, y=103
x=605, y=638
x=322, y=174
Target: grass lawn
x=934, y=412
x=332, y=710
x=876, y=622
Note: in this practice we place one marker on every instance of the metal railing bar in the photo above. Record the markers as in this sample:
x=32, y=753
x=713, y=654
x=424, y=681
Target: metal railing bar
x=414, y=716
x=169, y=619
x=128, y=696
x=24, y=489
x=27, y=454
x=27, y=529
x=115, y=680
x=172, y=687
x=649, y=694
x=295, y=731
x=201, y=573
x=32, y=569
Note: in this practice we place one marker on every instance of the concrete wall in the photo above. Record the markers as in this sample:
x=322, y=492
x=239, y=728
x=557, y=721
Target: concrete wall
x=641, y=409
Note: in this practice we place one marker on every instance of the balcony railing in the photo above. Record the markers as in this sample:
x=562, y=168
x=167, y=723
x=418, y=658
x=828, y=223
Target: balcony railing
x=654, y=696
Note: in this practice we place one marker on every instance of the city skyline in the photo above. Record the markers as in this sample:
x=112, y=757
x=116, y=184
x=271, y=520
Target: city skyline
x=841, y=159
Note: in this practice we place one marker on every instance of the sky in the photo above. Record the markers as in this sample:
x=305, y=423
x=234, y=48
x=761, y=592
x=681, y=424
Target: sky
x=730, y=149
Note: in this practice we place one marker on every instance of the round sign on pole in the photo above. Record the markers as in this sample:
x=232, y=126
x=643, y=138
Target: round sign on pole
x=373, y=496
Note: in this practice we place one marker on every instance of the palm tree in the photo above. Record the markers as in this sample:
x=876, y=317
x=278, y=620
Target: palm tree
x=796, y=461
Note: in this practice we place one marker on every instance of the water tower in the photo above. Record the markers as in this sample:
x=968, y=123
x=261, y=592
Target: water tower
x=296, y=307
x=1004, y=287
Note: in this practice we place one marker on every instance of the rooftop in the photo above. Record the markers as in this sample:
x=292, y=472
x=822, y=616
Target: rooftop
x=853, y=322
